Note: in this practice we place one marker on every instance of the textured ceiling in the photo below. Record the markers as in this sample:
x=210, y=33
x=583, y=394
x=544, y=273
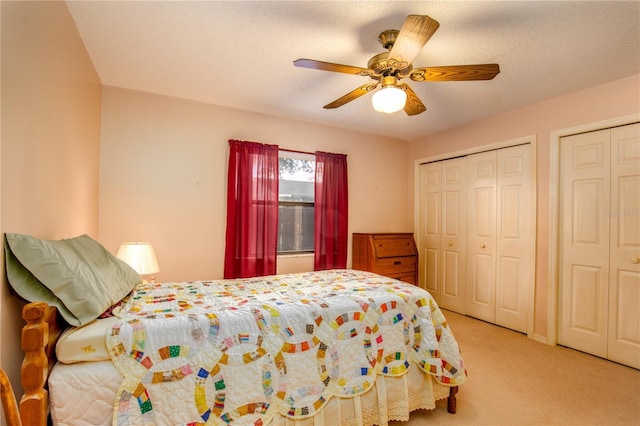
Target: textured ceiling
x=240, y=54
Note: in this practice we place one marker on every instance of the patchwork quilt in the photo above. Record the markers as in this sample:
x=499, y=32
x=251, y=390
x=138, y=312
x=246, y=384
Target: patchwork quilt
x=241, y=351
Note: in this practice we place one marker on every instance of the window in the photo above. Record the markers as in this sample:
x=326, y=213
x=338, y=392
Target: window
x=296, y=203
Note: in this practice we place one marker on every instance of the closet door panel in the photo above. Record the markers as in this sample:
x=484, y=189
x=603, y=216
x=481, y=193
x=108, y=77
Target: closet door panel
x=513, y=244
x=482, y=295
x=453, y=242
x=584, y=249
x=430, y=261
x=624, y=319
x=508, y=293
x=451, y=282
x=624, y=280
x=481, y=231
x=431, y=228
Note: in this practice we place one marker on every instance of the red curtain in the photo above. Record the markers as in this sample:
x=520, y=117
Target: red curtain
x=252, y=210
x=331, y=211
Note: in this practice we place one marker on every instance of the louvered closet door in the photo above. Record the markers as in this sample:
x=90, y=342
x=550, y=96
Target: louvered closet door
x=513, y=244
x=624, y=278
x=430, y=226
x=453, y=242
x=481, y=230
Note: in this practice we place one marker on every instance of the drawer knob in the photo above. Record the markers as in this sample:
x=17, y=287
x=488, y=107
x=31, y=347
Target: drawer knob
x=635, y=260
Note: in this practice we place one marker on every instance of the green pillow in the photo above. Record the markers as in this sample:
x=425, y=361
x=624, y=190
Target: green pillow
x=77, y=275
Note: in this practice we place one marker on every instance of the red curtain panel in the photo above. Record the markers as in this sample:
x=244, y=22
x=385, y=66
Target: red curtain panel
x=331, y=211
x=252, y=210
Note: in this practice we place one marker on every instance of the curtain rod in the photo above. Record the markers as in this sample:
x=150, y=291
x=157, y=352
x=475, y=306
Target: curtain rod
x=284, y=149
x=296, y=151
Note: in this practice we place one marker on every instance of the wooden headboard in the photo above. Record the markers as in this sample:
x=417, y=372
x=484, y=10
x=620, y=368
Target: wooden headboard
x=39, y=336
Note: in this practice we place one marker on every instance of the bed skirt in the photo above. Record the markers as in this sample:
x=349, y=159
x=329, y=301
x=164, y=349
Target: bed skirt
x=83, y=393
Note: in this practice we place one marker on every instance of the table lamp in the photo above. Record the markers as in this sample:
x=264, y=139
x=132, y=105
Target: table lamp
x=141, y=257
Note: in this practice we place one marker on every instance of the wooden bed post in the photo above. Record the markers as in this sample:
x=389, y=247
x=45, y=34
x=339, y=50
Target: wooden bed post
x=9, y=404
x=35, y=366
x=451, y=400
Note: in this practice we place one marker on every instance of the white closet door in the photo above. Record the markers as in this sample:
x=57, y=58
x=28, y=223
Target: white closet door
x=481, y=229
x=624, y=281
x=513, y=244
x=584, y=249
x=431, y=227
x=476, y=228
x=453, y=242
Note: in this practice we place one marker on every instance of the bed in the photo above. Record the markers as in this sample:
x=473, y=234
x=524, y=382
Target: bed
x=338, y=347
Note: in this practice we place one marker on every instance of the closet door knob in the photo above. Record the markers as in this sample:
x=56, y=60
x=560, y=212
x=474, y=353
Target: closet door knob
x=450, y=243
x=482, y=245
x=634, y=260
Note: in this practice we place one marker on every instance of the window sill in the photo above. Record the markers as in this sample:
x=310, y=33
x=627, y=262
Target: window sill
x=295, y=255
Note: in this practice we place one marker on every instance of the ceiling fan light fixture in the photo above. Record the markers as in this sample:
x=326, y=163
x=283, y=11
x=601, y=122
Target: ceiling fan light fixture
x=389, y=99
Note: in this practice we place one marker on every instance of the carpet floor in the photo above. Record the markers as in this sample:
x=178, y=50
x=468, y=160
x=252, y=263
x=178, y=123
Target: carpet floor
x=513, y=380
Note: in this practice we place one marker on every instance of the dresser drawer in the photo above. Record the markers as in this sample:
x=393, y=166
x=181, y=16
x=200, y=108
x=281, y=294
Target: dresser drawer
x=395, y=265
x=388, y=246
x=407, y=278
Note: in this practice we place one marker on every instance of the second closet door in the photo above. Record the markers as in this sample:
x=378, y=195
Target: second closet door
x=600, y=243
x=499, y=236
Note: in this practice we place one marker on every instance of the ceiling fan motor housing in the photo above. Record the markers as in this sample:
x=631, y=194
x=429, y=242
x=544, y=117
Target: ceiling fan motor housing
x=383, y=66
x=388, y=38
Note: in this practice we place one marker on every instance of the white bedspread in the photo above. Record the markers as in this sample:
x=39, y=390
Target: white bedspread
x=242, y=351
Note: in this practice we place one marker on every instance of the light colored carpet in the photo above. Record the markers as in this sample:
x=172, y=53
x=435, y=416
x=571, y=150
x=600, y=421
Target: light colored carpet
x=513, y=380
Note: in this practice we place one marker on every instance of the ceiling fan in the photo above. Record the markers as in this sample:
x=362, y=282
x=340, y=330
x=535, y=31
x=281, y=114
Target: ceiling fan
x=388, y=68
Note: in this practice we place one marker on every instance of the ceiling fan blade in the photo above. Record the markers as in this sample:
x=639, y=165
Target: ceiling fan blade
x=354, y=94
x=456, y=73
x=415, y=32
x=414, y=105
x=329, y=66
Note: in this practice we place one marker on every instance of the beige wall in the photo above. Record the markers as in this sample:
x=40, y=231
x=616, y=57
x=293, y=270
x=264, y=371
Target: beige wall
x=50, y=140
x=163, y=172
x=615, y=99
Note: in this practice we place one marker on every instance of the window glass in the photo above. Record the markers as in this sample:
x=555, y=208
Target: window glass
x=296, y=195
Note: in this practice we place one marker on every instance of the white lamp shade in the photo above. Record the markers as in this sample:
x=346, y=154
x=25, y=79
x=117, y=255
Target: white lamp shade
x=140, y=256
x=389, y=99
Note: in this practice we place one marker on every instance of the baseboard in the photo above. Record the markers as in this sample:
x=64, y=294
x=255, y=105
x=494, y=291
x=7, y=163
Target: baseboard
x=541, y=339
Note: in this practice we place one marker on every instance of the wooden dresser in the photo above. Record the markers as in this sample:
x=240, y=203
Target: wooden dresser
x=393, y=255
